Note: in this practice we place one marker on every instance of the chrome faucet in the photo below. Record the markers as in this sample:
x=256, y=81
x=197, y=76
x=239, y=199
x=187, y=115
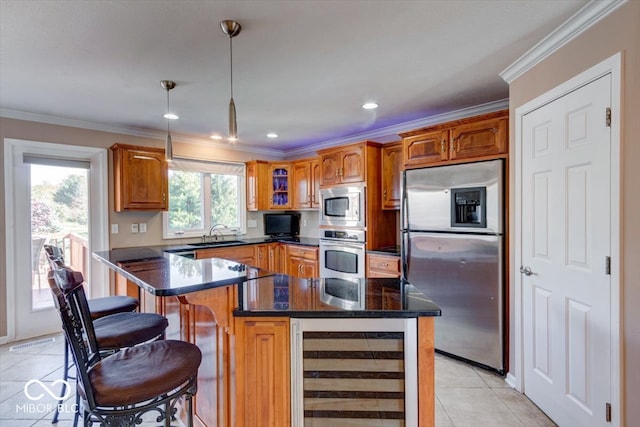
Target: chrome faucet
x=213, y=229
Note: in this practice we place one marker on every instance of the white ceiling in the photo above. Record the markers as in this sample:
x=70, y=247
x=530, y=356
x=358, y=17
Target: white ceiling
x=301, y=68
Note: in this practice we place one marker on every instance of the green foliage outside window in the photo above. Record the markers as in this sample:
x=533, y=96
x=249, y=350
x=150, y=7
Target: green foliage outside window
x=224, y=206
x=190, y=192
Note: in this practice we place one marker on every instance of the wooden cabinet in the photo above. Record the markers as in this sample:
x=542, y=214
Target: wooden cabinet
x=263, y=372
x=301, y=261
x=280, y=174
x=426, y=148
x=243, y=254
x=346, y=164
x=257, y=189
x=306, y=184
x=391, y=170
x=477, y=138
x=379, y=265
x=140, y=179
x=268, y=256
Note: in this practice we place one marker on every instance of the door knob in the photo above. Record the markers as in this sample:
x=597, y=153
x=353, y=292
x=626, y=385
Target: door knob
x=526, y=270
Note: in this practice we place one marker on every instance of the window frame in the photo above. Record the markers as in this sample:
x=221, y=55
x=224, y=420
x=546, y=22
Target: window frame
x=214, y=167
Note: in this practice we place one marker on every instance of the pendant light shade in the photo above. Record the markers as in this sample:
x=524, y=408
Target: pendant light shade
x=231, y=29
x=168, y=148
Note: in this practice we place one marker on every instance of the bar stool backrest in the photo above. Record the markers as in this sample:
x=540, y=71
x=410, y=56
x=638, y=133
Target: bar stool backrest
x=71, y=302
x=55, y=256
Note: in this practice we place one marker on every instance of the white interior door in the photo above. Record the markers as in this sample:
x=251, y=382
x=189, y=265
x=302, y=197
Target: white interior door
x=566, y=242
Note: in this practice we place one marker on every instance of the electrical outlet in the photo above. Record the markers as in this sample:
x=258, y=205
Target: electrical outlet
x=304, y=222
x=143, y=227
x=134, y=228
x=114, y=228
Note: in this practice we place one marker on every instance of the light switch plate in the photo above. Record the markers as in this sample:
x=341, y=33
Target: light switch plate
x=143, y=227
x=134, y=228
x=252, y=223
x=114, y=228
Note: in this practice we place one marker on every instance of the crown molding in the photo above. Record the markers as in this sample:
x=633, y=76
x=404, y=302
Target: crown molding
x=389, y=133
x=583, y=19
x=385, y=134
x=132, y=131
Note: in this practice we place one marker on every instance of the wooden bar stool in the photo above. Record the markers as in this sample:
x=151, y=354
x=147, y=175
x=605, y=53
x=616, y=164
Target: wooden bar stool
x=112, y=332
x=118, y=389
x=98, y=307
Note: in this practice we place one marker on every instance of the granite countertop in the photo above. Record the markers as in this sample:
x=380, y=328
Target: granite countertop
x=282, y=295
x=386, y=250
x=265, y=293
x=166, y=274
x=175, y=272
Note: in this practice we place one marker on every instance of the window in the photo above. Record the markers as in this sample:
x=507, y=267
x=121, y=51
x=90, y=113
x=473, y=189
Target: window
x=203, y=194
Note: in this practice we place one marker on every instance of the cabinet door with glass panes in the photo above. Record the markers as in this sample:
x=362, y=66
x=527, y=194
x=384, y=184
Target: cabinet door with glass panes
x=280, y=174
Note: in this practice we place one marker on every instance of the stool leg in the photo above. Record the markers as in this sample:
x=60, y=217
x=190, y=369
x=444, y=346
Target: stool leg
x=167, y=413
x=189, y=411
x=65, y=377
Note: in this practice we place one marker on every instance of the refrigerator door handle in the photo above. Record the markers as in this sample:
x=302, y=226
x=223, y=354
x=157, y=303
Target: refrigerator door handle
x=404, y=210
x=405, y=255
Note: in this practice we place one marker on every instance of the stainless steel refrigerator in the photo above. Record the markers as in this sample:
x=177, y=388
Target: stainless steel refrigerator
x=453, y=250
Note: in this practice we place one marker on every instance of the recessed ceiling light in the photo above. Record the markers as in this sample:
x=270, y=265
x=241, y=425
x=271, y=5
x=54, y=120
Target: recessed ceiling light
x=171, y=116
x=369, y=105
x=272, y=135
x=215, y=137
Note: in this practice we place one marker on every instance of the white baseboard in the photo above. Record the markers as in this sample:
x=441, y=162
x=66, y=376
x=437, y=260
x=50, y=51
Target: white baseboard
x=511, y=380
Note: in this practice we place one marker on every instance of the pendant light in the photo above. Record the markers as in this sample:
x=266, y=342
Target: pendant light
x=168, y=149
x=231, y=29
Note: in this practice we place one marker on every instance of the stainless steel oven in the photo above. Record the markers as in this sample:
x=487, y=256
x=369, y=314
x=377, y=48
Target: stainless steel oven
x=342, y=206
x=342, y=254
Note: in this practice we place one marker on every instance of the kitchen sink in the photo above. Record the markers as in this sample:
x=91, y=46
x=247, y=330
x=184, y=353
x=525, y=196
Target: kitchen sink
x=215, y=243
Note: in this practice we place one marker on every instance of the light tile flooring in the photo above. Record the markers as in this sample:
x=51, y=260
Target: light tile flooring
x=465, y=395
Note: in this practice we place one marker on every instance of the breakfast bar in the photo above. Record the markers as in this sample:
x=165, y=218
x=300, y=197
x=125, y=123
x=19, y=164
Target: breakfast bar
x=285, y=351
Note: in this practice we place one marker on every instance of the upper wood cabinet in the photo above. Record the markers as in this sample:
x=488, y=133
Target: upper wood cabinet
x=268, y=185
x=391, y=169
x=280, y=176
x=426, y=148
x=257, y=180
x=346, y=164
x=306, y=184
x=475, y=138
x=140, y=178
x=479, y=139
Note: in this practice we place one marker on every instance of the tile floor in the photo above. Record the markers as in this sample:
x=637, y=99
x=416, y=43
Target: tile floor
x=465, y=396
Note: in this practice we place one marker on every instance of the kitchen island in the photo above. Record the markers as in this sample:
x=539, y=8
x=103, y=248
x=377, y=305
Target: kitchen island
x=281, y=351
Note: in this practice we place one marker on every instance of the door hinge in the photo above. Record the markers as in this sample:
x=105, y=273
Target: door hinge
x=608, y=117
x=608, y=412
x=607, y=265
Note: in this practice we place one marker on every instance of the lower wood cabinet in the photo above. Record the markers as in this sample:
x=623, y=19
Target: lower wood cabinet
x=262, y=372
x=243, y=254
x=302, y=261
x=379, y=265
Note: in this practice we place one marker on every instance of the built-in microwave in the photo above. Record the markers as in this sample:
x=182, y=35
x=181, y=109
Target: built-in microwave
x=342, y=206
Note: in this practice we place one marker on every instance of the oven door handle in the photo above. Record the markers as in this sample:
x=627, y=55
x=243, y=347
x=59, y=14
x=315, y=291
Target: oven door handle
x=356, y=246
